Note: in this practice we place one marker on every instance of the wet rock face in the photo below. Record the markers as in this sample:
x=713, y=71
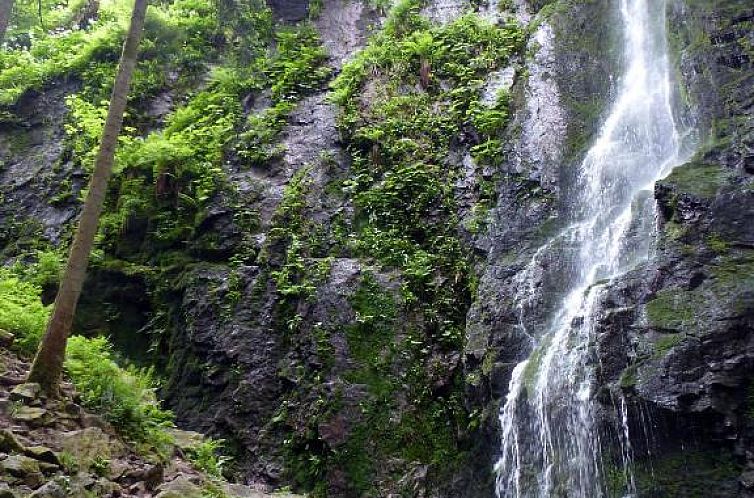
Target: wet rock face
x=547, y=137
x=38, y=186
x=290, y=10
x=677, y=336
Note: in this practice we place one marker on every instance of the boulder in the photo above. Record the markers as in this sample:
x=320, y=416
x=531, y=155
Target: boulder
x=104, y=487
x=180, y=487
x=186, y=440
x=87, y=445
x=150, y=475
x=50, y=489
x=42, y=454
x=19, y=466
x=32, y=415
x=8, y=442
x=81, y=484
x=6, y=492
x=25, y=393
x=6, y=340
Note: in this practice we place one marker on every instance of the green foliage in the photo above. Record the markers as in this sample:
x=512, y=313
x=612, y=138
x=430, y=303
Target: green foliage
x=299, y=66
x=75, y=40
x=45, y=271
x=69, y=462
x=400, y=138
x=404, y=99
x=100, y=466
x=296, y=69
x=207, y=457
x=21, y=311
x=124, y=397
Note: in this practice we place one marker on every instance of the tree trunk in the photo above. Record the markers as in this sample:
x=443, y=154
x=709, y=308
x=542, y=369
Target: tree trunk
x=6, y=9
x=48, y=363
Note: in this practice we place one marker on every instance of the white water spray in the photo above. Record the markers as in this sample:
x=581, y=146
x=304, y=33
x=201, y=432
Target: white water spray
x=550, y=441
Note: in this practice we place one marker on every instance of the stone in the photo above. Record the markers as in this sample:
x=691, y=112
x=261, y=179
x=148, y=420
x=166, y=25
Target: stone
x=747, y=479
x=186, y=440
x=50, y=489
x=8, y=442
x=151, y=475
x=32, y=415
x=180, y=487
x=80, y=484
x=104, y=487
x=25, y=393
x=19, y=466
x=87, y=445
x=91, y=420
x=43, y=454
x=6, y=492
x=118, y=469
x=48, y=468
x=6, y=339
x=241, y=491
x=137, y=489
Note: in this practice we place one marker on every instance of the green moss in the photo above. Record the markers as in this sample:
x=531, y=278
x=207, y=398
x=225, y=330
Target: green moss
x=717, y=243
x=371, y=337
x=735, y=268
x=531, y=371
x=666, y=342
x=629, y=376
x=698, y=178
x=672, y=310
x=691, y=473
x=734, y=279
x=675, y=231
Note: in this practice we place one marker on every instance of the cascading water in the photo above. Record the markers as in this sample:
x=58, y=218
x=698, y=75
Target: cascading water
x=550, y=442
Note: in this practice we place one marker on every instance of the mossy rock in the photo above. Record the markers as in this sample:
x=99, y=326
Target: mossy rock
x=8, y=442
x=672, y=310
x=90, y=444
x=699, y=179
x=180, y=487
x=702, y=473
x=19, y=466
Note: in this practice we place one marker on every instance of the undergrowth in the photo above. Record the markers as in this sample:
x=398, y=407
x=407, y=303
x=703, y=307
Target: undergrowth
x=124, y=396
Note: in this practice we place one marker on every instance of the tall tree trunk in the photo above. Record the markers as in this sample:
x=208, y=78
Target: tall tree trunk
x=6, y=9
x=48, y=364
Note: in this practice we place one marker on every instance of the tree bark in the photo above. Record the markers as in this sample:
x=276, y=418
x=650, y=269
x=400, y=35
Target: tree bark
x=6, y=9
x=48, y=363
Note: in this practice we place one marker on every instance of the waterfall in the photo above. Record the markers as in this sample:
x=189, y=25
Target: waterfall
x=550, y=440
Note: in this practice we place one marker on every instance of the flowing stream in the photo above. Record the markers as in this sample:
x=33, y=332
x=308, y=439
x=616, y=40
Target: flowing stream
x=550, y=440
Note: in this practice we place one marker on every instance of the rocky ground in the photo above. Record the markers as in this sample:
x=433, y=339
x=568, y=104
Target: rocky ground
x=54, y=448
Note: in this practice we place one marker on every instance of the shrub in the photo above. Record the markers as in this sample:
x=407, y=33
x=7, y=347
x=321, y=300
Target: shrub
x=207, y=457
x=124, y=397
x=21, y=311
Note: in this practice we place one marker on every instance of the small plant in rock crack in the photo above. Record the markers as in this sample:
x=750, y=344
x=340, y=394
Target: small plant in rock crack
x=69, y=462
x=208, y=457
x=100, y=466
